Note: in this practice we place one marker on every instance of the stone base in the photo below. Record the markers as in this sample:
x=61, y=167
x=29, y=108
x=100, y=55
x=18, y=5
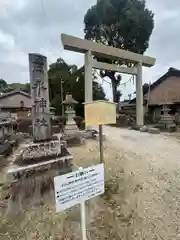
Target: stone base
x=144, y=129
x=36, y=165
x=136, y=127
x=167, y=122
x=161, y=126
x=171, y=128
x=75, y=141
x=178, y=129
x=29, y=183
x=41, y=152
x=22, y=172
x=71, y=129
x=154, y=130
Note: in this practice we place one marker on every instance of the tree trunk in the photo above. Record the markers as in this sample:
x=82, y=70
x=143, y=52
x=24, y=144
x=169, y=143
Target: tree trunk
x=114, y=83
x=114, y=90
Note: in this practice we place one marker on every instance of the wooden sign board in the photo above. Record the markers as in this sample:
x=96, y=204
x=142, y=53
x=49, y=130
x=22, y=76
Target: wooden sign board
x=99, y=113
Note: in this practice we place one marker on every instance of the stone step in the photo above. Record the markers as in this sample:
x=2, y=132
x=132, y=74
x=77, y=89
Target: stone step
x=144, y=129
x=154, y=130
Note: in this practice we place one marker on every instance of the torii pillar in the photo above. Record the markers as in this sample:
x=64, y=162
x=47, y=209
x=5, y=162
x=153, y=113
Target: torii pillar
x=139, y=96
x=88, y=78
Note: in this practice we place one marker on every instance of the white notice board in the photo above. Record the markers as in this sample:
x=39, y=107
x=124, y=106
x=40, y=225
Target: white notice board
x=75, y=187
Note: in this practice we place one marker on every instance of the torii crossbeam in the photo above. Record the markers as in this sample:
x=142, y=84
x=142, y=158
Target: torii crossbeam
x=90, y=48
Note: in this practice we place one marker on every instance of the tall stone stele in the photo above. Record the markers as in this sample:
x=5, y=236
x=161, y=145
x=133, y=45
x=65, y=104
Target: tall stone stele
x=40, y=96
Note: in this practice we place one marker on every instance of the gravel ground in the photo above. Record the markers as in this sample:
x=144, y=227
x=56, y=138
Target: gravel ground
x=141, y=201
x=147, y=168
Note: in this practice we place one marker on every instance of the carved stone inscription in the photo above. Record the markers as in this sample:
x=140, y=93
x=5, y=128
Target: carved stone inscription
x=40, y=96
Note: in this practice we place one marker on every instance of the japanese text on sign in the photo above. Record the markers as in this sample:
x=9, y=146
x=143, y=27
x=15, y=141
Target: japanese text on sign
x=100, y=113
x=73, y=188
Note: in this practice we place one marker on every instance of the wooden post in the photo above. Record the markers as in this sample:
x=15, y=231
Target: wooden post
x=101, y=143
x=62, y=97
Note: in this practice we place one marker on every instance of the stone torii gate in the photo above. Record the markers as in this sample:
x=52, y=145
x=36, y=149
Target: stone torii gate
x=90, y=49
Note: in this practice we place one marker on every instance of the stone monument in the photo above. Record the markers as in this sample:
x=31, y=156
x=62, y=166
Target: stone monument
x=40, y=97
x=33, y=169
x=166, y=118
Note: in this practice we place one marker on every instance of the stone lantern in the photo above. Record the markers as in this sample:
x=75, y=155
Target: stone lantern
x=71, y=128
x=166, y=118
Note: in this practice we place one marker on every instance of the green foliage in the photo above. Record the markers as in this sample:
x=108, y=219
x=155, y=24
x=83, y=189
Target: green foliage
x=73, y=83
x=20, y=86
x=3, y=84
x=56, y=104
x=5, y=87
x=146, y=88
x=125, y=24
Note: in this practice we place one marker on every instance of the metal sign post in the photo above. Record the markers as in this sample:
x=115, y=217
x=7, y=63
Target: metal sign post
x=77, y=187
x=83, y=221
x=83, y=217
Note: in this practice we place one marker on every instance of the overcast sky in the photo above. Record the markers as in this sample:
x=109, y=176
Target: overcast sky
x=30, y=26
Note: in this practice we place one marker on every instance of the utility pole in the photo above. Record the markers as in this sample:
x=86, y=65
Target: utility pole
x=148, y=97
x=62, y=99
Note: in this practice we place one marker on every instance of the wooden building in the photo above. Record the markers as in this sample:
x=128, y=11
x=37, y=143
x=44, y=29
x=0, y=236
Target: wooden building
x=163, y=94
x=15, y=101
